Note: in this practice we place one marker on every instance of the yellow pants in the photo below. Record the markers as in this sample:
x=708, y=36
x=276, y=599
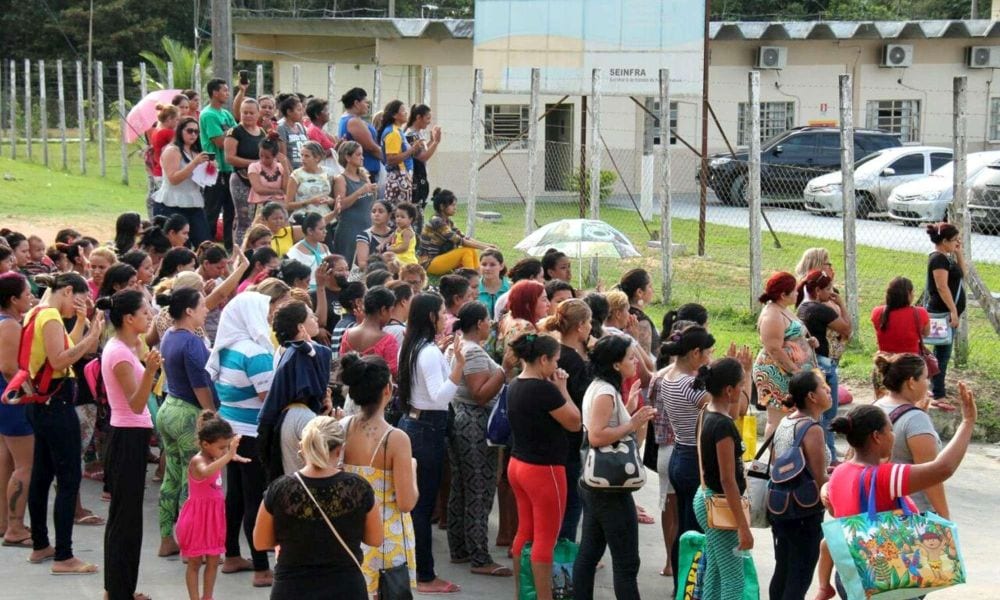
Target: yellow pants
x=442, y=264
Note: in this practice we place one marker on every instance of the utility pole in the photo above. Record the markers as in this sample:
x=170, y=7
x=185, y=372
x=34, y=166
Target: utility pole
x=222, y=41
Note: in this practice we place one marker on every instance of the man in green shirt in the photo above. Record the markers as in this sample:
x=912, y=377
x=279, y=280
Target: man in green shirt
x=215, y=121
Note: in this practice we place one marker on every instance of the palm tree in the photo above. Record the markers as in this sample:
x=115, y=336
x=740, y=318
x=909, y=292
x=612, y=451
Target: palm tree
x=184, y=61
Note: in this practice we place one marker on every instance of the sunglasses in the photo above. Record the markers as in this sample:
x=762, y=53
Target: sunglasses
x=191, y=131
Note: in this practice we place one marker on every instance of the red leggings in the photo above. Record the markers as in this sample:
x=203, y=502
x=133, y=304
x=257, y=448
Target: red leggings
x=540, y=491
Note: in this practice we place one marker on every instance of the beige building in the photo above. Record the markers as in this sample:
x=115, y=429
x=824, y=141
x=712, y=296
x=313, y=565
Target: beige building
x=903, y=75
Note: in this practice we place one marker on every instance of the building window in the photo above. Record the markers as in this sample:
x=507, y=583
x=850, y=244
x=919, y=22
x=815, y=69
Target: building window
x=994, y=119
x=775, y=118
x=653, y=124
x=506, y=122
x=901, y=117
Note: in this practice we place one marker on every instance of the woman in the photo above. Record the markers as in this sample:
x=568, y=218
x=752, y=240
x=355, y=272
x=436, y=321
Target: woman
x=57, y=452
x=427, y=386
x=355, y=193
x=128, y=227
x=609, y=517
x=681, y=403
x=21, y=254
x=796, y=541
x=178, y=230
x=143, y=265
x=526, y=268
x=493, y=282
x=814, y=259
x=154, y=244
x=473, y=462
x=179, y=194
x=267, y=176
x=17, y=441
x=268, y=113
x=101, y=259
x=455, y=291
x=400, y=309
x=241, y=367
x=899, y=326
x=310, y=185
x=945, y=274
x=572, y=323
x=556, y=265
x=318, y=111
x=870, y=434
x=621, y=321
x=163, y=133
x=353, y=127
x=258, y=236
x=176, y=260
x=443, y=248
x=382, y=455
x=189, y=391
x=398, y=153
x=905, y=377
x=183, y=106
x=820, y=319
x=311, y=250
x=418, y=128
x=301, y=511
x=128, y=384
x=292, y=135
x=368, y=337
x=720, y=451
x=638, y=286
x=540, y=410
x=787, y=346
x=242, y=149
x=374, y=240
x=283, y=235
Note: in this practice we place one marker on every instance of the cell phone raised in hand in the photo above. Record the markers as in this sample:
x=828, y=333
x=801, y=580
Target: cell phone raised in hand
x=210, y=155
x=244, y=77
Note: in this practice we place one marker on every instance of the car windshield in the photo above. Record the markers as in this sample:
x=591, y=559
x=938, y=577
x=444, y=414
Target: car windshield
x=975, y=163
x=868, y=158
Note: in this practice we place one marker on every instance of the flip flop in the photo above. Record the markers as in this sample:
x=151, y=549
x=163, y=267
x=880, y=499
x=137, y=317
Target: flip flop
x=83, y=569
x=451, y=588
x=91, y=520
x=495, y=571
x=21, y=543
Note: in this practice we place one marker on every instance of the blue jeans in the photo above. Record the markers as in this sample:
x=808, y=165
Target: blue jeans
x=609, y=520
x=684, y=477
x=574, y=504
x=428, y=437
x=943, y=354
x=829, y=368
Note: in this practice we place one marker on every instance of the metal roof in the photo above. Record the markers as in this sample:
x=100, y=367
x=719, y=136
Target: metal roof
x=274, y=24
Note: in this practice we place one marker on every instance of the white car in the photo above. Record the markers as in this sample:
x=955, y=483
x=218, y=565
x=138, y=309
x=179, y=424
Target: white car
x=926, y=200
x=875, y=176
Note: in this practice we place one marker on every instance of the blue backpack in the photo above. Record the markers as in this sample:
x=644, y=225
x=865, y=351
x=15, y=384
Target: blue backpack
x=792, y=492
x=498, y=426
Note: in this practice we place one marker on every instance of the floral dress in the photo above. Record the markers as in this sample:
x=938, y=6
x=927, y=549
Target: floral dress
x=769, y=377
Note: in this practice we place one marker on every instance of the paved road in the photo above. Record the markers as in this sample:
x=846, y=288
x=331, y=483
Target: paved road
x=972, y=494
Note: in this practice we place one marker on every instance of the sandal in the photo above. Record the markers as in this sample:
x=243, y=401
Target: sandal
x=943, y=405
x=494, y=570
x=81, y=569
x=91, y=519
x=449, y=588
x=21, y=543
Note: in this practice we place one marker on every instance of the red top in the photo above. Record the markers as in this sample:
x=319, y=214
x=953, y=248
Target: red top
x=892, y=482
x=161, y=137
x=387, y=347
x=901, y=335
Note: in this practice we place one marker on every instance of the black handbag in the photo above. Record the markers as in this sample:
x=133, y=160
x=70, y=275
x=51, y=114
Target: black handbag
x=394, y=582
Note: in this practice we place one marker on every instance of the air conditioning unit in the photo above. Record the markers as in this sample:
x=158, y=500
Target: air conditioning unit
x=897, y=55
x=772, y=57
x=983, y=57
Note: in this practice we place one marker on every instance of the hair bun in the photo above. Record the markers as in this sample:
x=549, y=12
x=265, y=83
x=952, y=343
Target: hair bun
x=701, y=379
x=105, y=303
x=352, y=369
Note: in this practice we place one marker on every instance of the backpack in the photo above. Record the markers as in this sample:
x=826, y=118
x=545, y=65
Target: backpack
x=22, y=388
x=898, y=412
x=498, y=425
x=792, y=492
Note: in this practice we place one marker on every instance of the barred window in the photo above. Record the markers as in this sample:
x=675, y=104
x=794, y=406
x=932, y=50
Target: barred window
x=653, y=124
x=775, y=118
x=994, y=119
x=506, y=122
x=901, y=117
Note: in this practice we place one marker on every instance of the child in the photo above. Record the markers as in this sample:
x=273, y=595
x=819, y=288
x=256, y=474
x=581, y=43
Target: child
x=38, y=263
x=267, y=177
x=404, y=242
x=201, y=526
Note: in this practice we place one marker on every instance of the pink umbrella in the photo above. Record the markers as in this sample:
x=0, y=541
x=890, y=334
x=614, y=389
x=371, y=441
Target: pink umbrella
x=142, y=117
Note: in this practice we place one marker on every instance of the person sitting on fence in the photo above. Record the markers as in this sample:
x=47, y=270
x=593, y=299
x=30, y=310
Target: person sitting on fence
x=443, y=248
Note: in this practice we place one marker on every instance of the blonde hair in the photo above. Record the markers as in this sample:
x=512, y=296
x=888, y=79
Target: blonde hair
x=184, y=279
x=106, y=253
x=413, y=269
x=273, y=288
x=569, y=314
x=321, y=436
x=257, y=232
x=165, y=112
x=617, y=300
x=301, y=295
x=812, y=259
x=345, y=150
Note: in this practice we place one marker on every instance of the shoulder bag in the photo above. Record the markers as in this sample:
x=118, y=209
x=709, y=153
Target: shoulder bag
x=933, y=367
x=792, y=492
x=720, y=516
x=616, y=467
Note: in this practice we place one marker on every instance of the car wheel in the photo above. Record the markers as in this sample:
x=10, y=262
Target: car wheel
x=865, y=204
x=739, y=192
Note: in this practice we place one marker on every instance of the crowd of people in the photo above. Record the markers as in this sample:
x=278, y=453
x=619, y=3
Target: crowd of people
x=302, y=353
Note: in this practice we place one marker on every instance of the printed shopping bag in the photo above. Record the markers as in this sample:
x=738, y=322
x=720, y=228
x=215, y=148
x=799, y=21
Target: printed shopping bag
x=563, y=558
x=747, y=424
x=893, y=555
x=691, y=564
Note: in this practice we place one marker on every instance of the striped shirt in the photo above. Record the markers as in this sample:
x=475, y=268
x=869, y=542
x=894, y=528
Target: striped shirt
x=682, y=403
x=246, y=370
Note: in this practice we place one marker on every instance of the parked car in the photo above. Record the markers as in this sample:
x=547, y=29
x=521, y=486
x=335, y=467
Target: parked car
x=926, y=200
x=875, y=176
x=788, y=161
x=984, y=199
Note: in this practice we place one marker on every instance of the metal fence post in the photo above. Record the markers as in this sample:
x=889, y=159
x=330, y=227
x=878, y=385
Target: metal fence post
x=428, y=80
x=99, y=84
x=756, y=258
x=121, y=120
x=170, y=75
x=961, y=200
x=331, y=80
x=13, y=109
x=196, y=77
x=143, y=89
x=260, y=81
x=1, y=107
x=61, y=94
x=27, y=107
x=477, y=143
x=666, y=229
x=43, y=113
x=81, y=121
x=296, y=75
x=377, y=90
x=595, y=159
x=850, y=204
x=529, y=208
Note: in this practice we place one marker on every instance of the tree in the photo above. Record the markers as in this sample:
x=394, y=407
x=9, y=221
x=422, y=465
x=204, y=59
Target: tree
x=184, y=60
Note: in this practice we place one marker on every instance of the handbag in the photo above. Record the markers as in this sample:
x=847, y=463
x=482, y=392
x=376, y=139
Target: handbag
x=651, y=450
x=931, y=361
x=720, y=515
x=394, y=582
x=941, y=333
x=893, y=555
x=691, y=566
x=22, y=387
x=793, y=492
x=563, y=557
x=616, y=467
x=498, y=425
x=758, y=476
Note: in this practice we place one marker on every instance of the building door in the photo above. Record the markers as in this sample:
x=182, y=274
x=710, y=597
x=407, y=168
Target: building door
x=558, y=146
